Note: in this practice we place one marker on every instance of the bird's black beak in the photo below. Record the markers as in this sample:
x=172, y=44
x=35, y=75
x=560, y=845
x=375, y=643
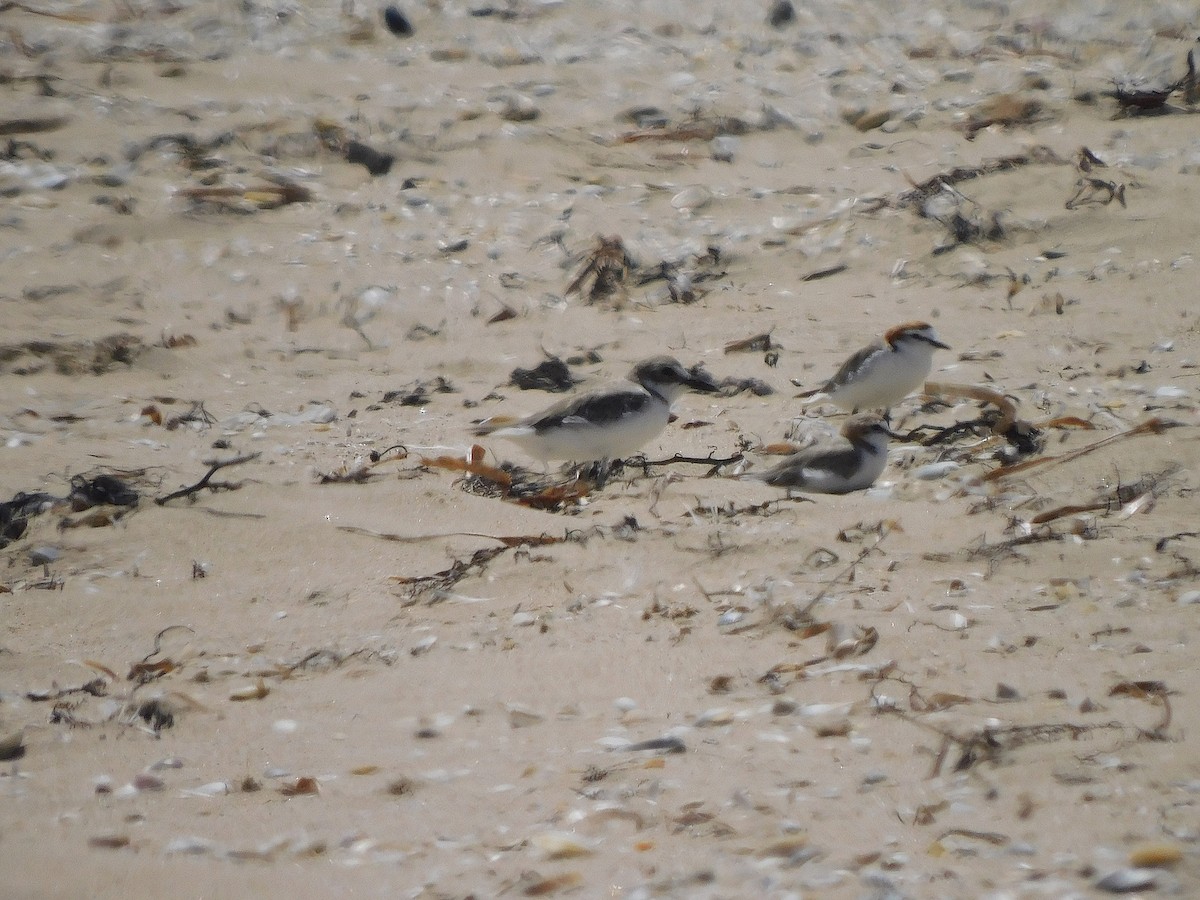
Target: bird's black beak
x=935, y=342
x=700, y=380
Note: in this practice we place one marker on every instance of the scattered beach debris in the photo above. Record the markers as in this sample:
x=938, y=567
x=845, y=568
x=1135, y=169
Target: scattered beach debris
x=604, y=270
x=214, y=466
x=551, y=374
x=892, y=640
x=397, y=23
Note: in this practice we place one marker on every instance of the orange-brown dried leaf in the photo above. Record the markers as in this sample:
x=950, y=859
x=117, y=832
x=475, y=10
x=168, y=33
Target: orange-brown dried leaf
x=1138, y=689
x=100, y=667
x=779, y=448
x=556, y=495
x=305, y=785
x=109, y=841
x=553, y=884
x=469, y=467
x=1051, y=514
x=1068, y=422
x=143, y=672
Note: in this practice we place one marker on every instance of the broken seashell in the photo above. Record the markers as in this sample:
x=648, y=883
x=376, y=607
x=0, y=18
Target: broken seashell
x=560, y=845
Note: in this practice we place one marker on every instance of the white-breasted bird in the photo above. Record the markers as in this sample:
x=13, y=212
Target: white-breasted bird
x=838, y=465
x=885, y=372
x=611, y=422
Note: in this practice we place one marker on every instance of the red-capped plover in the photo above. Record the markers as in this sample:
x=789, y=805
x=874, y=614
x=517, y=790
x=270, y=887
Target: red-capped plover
x=609, y=423
x=884, y=372
x=838, y=465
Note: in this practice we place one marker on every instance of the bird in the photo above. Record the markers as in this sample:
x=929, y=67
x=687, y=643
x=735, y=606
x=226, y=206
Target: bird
x=611, y=422
x=836, y=466
x=884, y=372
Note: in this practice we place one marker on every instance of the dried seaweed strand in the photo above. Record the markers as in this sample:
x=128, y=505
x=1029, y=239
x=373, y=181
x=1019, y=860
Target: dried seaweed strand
x=1008, y=409
x=709, y=460
x=806, y=610
x=990, y=743
x=440, y=582
x=214, y=467
x=1041, y=536
x=1110, y=500
x=937, y=183
x=1154, y=425
x=531, y=540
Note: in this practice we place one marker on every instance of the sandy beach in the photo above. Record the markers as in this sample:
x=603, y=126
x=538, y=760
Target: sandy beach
x=274, y=623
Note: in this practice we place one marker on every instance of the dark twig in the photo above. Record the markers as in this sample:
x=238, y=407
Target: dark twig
x=709, y=460
x=214, y=467
x=989, y=742
x=1040, y=536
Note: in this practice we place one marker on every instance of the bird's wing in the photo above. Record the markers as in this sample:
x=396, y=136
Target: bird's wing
x=597, y=408
x=810, y=466
x=852, y=364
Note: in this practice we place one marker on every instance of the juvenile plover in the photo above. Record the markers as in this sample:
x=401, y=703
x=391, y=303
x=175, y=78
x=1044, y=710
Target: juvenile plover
x=884, y=372
x=837, y=466
x=609, y=423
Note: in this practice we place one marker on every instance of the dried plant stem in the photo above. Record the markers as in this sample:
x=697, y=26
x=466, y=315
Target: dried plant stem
x=214, y=467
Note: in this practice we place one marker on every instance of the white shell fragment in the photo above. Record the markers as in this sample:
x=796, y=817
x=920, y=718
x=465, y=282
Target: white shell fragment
x=1124, y=881
x=692, y=198
x=211, y=789
x=560, y=845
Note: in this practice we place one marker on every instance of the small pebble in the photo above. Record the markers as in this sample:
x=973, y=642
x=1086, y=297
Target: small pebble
x=1126, y=881
x=782, y=13
x=711, y=717
x=1007, y=692
x=397, y=23
x=109, y=841
x=148, y=782
x=692, y=198
x=189, y=846
x=519, y=108
x=522, y=716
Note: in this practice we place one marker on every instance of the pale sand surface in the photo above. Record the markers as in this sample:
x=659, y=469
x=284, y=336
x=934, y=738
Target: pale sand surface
x=469, y=738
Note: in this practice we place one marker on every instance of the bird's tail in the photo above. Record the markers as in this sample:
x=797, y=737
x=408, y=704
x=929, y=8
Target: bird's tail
x=492, y=424
x=811, y=392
